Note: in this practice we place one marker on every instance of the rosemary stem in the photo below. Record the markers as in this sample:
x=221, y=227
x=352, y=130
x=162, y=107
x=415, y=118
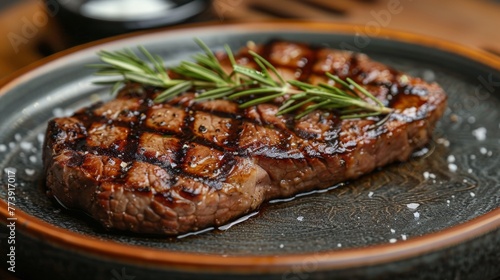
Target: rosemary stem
x=374, y=108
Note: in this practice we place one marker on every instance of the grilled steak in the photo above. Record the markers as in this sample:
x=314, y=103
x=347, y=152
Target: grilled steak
x=184, y=165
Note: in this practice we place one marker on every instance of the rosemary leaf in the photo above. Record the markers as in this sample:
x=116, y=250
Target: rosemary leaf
x=336, y=90
x=204, y=60
x=230, y=55
x=216, y=93
x=106, y=83
x=98, y=65
x=144, y=79
x=218, y=68
x=364, y=91
x=359, y=116
x=160, y=67
x=340, y=81
x=155, y=60
x=301, y=85
x=254, y=75
x=255, y=91
x=108, y=72
x=265, y=73
x=116, y=87
x=326, y=94
x=173, y=91
x=197, y=71
x=257, y=57
x=353, y=110
x=286, y=109
x=121, y=63
x=260, y=100
x=300, y=95
x=311, y=108
x=128, y=52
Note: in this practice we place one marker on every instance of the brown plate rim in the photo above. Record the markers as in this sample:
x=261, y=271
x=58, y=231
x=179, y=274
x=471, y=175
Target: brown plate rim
x=339, y=259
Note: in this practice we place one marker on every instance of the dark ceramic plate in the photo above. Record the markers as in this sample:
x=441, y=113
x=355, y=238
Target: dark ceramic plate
x=436, y=216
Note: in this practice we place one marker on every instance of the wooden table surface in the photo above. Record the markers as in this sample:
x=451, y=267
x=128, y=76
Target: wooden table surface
x=472, y=23
x=30, y=33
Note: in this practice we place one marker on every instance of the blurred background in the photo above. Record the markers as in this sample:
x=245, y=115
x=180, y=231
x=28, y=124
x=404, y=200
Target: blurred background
x=33, y=29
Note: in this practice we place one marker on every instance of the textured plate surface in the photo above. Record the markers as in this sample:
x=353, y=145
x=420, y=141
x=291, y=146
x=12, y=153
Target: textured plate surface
x=447, y=189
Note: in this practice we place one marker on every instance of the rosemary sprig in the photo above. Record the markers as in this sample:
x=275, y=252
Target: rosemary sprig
x=127, y=66
x=256, y=86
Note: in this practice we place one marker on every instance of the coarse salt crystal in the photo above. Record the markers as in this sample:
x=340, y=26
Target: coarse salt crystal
x=33, y=159
x=472, y=194
x=370, y=194
x=58, y=112
x=393, y=231
x=26, y=146
x=480, y=133
x=9, y=170
x=339, y=245
x=40, y=137
x=3, y=148
x=428, y=175
x=300, y=218
x=451, y=158
x=412, y=206
x=472, y=156
x=443, y=141
x=428, y=75
x=403, y=236
x=68, y=112
x=392, y=240
x=416, y=215
x=123, y=164
x=18, y=137
x=483, y=150
x=469, y=170
x=281, y=245
x=29, y=172
x=452, y=167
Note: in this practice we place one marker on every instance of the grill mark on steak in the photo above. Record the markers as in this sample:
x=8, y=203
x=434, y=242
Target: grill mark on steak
x=183, y=165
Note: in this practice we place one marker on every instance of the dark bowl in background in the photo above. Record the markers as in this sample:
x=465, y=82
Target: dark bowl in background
x=89, y=20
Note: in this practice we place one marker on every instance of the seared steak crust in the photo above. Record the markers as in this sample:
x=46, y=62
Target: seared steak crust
x=182, y=165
